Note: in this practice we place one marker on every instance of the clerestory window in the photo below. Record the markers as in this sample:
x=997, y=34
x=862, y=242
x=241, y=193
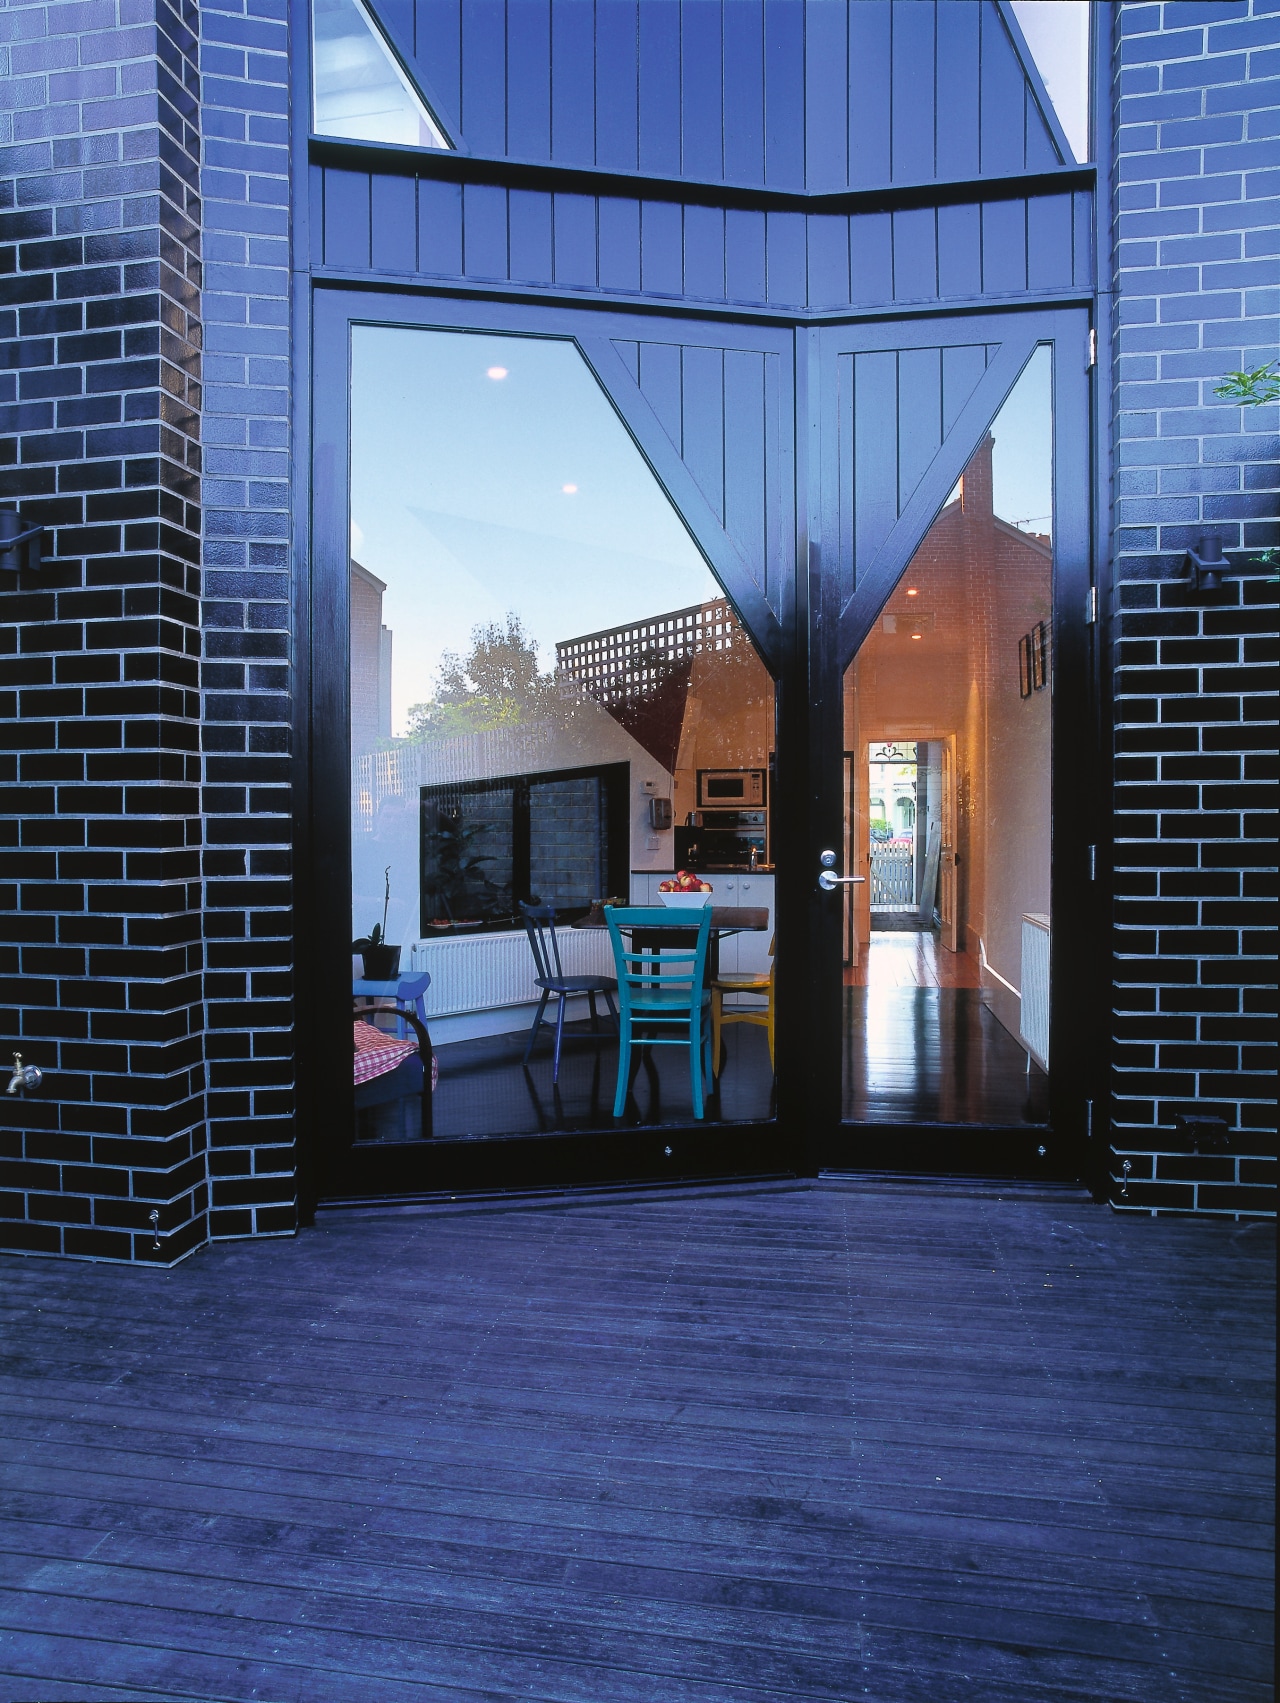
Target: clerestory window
x=360, y=90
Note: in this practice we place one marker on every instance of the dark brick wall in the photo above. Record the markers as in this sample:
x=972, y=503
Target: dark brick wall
x=246, y=679
x=99, y=712
x=146, y=943
x=1197, y=225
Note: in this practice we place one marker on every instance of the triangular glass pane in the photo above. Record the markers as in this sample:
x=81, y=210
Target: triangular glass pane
x=361, y=92
x=1057, y=33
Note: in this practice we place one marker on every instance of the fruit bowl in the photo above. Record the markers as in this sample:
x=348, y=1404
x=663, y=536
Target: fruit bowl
x=686, y=901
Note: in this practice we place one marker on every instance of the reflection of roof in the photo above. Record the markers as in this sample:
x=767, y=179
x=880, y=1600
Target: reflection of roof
x=360, y=572
x=1037, y=540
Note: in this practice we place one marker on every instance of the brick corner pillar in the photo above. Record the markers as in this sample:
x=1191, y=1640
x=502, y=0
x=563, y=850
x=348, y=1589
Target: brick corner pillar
x=1193, y=1114
x=100, y=317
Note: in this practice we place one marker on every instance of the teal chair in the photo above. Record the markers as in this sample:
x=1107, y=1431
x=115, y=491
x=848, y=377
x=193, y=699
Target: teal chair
x=661, y=990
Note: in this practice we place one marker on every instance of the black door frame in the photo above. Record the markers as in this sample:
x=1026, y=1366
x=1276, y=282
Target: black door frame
x=805, y=643
x=1061, y=1150
x=655, y=1154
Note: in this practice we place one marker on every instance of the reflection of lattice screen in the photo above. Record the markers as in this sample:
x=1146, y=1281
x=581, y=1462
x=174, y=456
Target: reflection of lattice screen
x=625, y=662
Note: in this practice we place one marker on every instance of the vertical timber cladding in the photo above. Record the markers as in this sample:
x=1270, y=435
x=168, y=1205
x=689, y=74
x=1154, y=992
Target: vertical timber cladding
x=1194, y=686
x=101, y=862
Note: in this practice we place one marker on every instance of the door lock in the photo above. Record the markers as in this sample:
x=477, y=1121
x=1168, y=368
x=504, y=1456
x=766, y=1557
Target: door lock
x=829, y=881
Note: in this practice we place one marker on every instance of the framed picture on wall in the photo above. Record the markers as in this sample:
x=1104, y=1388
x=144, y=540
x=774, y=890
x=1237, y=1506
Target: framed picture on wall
x=1039, y=656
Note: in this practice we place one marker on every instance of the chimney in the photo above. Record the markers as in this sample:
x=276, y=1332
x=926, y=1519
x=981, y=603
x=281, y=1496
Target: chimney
x=976, y=497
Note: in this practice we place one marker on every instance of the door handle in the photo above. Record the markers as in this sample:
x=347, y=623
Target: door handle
x=828, y=880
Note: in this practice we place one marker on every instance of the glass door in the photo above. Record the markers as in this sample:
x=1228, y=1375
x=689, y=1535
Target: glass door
x=554, y=709
x=562, y=663
x=955, y=829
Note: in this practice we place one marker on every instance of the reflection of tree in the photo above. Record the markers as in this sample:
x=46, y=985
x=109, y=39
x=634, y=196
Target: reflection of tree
x=498, y=685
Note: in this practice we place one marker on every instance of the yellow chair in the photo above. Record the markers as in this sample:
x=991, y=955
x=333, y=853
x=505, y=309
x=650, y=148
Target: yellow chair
x=762, y=1015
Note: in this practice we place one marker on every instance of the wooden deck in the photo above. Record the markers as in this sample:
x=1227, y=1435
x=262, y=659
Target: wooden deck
x=850, y=1442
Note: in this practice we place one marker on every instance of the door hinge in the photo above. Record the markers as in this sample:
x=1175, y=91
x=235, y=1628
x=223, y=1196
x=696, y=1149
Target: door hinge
x=1093, y=863
x=1093, y=350
x=1091, y=606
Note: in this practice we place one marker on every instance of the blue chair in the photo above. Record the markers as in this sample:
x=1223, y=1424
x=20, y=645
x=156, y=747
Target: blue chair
x=661, y=989
x=540, y=926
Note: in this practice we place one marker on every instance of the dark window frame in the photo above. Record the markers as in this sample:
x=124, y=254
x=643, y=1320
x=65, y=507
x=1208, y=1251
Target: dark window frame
x=616, y=779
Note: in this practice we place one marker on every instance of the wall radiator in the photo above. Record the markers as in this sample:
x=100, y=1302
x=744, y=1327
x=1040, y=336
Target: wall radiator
x=1033, y=1025
x=481, y=972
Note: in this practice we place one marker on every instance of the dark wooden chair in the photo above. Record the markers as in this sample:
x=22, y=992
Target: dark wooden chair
x=414, y=1074
x=540, y=926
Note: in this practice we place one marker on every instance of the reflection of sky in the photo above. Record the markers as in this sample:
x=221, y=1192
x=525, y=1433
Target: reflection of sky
x=1057, y=32
x=458, y=499
x=1022, y=456
x=1022, y=460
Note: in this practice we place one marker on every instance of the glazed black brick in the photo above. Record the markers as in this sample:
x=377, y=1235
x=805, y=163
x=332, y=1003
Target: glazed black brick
x=123, y=1037
x=1203, y=701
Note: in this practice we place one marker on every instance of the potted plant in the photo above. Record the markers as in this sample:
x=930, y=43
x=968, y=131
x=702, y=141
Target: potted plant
x=381, y=962
x=454, y=876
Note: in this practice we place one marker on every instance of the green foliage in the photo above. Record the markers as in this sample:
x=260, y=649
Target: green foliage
x=498, y=685
x=1251, y=389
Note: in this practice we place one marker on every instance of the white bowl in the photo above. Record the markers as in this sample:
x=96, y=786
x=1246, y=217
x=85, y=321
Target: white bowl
x=686, y=901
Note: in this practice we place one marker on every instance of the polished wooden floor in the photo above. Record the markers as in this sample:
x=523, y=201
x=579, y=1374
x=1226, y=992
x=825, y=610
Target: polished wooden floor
x=903, y=1444
x=920, y=1048
x=914, y=959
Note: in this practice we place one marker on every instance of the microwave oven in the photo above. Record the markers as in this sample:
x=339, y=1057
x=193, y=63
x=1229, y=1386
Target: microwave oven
x=720, y=789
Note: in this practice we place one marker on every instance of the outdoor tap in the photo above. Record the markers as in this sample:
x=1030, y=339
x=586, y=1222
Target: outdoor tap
x=24, y=1077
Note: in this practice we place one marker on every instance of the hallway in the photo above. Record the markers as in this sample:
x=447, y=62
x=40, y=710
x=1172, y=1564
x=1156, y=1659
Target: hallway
x=905, y=1443
x=902, y=958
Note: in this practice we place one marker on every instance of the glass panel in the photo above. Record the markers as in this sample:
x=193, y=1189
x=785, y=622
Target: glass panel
x=947, y=711
x=1057, y=32
x=360, y=90
x=553, y=703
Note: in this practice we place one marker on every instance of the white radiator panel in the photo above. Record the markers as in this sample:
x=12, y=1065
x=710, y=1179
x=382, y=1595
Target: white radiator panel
x=480, y=972
x=1033, y=1024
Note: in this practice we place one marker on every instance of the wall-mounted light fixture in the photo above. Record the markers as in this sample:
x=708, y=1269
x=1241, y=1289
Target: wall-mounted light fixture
x=1206, y=565
x=19, y=544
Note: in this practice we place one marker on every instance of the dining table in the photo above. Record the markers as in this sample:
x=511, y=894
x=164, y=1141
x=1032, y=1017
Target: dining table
x=725, y=920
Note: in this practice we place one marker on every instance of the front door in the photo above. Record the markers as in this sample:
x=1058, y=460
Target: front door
x=950, y=638
x=561, y=654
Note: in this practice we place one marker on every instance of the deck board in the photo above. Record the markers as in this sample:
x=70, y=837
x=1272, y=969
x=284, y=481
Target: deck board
x=854, y=1441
